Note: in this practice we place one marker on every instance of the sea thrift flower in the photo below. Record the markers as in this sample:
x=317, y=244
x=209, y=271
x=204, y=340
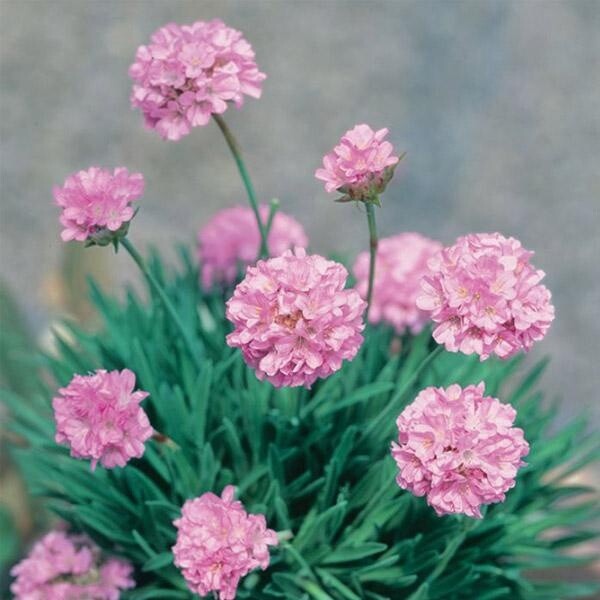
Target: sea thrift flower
x=293, y=319
x=97, y=204
x=458, y=448
x=486, y=297
x=400, y=263
x=218, y=543
x=360, y=166
x=190, y=72
x=99, y=417
x=69, y=567
x=231, y=240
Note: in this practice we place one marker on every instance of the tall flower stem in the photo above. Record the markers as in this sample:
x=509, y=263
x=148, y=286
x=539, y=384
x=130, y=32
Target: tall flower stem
x=141, y=263
x=237, y=156
x=373, y=242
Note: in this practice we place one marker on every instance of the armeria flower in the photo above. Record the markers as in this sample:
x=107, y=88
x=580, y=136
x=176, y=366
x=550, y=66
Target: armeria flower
x=231, y=240
x=400, y=263
x=486, y=297
x=190, y=72
x=293, y=319
x=69, y=567
x=218, y=543
x=97, y=204
x=360, y=166
x=100, y=418
x=458, y=448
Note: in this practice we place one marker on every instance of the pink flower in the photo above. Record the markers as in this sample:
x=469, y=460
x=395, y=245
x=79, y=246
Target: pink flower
x=400, y=263
x=96, y=204
x=486, y=297
x=99, y=417
x=293, y=319
x=230, y=241
x=69, y=567
x=360, y=166
x=190, y=72
x=459, y=448
x=218, y=543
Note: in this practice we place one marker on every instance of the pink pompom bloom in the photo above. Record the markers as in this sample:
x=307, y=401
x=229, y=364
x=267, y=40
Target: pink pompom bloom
x=218, y=543
x=360, y=166
x=400, y=263
x=293, y=319
x=69, y=567
x=231, y=240
x=190, y=72
x=99, y=417
x=486, y=297
x=96, y=204
x=459, y=448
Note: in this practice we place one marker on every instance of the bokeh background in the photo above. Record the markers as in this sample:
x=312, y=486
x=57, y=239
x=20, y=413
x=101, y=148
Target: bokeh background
x=496, y=103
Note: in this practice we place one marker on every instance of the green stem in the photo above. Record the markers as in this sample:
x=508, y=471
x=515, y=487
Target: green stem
x=373, y=242
x=163, y=297
x=273, y=208
x=237, y=156
x=380, y=420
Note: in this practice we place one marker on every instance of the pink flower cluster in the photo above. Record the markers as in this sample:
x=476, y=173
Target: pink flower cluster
x=486, y=297
x=69, y=567
x=293, y=319
x=190, y=72
x=218, y=543
x=459, y=448
x=99, y=417
x=96, y=204
x=400, y=263
x=360, y=166
x=231, y=240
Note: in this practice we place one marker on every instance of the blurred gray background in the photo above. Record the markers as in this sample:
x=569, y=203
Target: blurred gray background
x=497, y=105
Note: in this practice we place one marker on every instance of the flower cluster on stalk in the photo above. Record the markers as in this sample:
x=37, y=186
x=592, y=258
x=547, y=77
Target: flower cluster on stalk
x=190, y=72
x=69, y=567
x=485, y=297
x=218, y=543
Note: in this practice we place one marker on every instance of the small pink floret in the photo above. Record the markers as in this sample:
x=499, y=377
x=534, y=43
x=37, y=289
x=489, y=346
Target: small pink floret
x=218, y=543
x=100, y=418
x=360, y=165
x=230, y=241
x=69, y=567
x=486, y=297
x=293, y=319
x=96, y=201
x=458, y=448
x=190, y=72
x=401, y=261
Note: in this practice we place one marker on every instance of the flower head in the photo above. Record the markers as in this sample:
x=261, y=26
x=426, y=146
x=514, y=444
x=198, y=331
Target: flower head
x=401, y=261
x=218, y=543
x=97, y=204
x=69, y=567
x=100, y=418
x=486, y=297
x=230, y=241
x=189, y=72
x=293, y=319
x=459, y=448
x=360, y=166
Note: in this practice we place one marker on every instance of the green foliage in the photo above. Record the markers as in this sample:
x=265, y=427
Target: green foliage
x=316, y=462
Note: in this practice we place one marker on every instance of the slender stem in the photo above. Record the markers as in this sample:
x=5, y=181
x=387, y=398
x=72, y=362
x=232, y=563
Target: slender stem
x=373, y=242
x=163, y=297
x=273, y=208
x=383, y=415
x=237, y=155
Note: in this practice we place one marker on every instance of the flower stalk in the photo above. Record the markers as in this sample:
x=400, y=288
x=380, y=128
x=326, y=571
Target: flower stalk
x=141, y=263
x=237, y=156
x=373, y=243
